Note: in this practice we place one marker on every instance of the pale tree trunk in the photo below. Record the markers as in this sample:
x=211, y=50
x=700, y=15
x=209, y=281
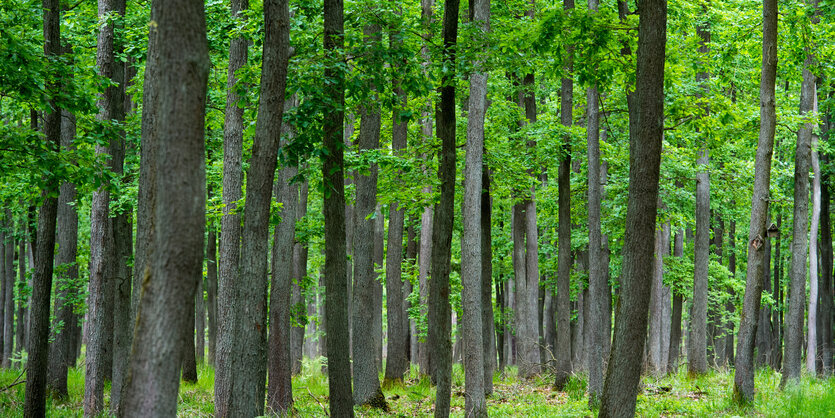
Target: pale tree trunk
x=621, y=385
x=744, y=363
x=812, y=317
x=335, y=269
x=797, y=280
x=180, y=211
x=377, y=289
x=666, y=309
x=38, y=341
x=230, y=222
x=471, y=239
x=439, y=309
x=61, y=353
x=716, y=310
x=654, y=337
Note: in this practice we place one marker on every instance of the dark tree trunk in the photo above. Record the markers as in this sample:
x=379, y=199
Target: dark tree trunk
x=300, y=253
x=471, y=238
x=675, y=321
x=199, y=323
x=189, y=365
x=167, y=299
x=826, y=276
x=8, y=290
x=487, y=321
x=230, y=223
x=792, y=358
x=71, y=323
x=621, y=385
x=439, y=309
x=38, y=343
x=763, y=341
x=336, y=273
x=211, y=293
x=280, y=389
x=744, y=363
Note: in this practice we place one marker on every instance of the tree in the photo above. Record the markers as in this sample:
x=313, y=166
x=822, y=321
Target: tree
x=744, y=363
x=471, y=216
x=333, y=178
x=230, y=223
x=179, y=210
x=35, y=402
x=623, y=373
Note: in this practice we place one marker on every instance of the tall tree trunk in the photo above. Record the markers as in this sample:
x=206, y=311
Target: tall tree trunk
x=199, y=323
x=797, y=280
x=729, y=305
x=653, y=349
x=763, y=342
x=300, y=256
x=397, y=362
x=8, y=290
x=598, y=282
x=377, y=289
x=744, y=364
x=623, y=375
x=189, y=365
x=812, y=316
x=62, y=353
x=826, y=274
x=471, y=239
x=38, y=342
x=336, y=273
x=366, y=378
x=66, y=353
x=776, y=294
x=228, y=295
x=280, y=389
x=439, y=309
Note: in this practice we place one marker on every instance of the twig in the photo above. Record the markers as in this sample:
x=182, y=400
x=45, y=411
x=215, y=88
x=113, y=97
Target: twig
x=16, y=382
x=317, y=401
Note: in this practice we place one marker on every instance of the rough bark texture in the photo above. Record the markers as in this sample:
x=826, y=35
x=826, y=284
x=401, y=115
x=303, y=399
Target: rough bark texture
x=230, y=223
x=744, y=364
x=38, y=342
x=168, y=286
x=61, y=354
x=621, y=385
x=397, y=351
x=336, y=285
x=471, y=257
x=280, y=389
x=598, y=282
x=366, y=379
x=792, y=358
x=812, y=316
x=439, y=308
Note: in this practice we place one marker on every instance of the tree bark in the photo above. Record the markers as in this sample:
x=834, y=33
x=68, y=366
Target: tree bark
x=336, y=285
x=487, y=321
x=211, y=292
x=38, y=343
x=812, y=316
x=744, y=364
x=439, y=309
x=8, y=286
x=228, y=295
x=675, y=322
x=471, y=256
x=623, y=375
x=179, y=212
x=189, y=365
x=826, y=273
x=797, y=281
x=199, y=323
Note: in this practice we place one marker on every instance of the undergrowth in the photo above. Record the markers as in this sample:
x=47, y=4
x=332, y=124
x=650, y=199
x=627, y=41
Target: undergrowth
x=673, y=395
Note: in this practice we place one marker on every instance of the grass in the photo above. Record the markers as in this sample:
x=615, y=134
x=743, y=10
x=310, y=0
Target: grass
x=675, y=395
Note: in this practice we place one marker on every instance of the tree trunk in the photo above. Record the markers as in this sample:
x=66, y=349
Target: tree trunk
x=211, y=293
x=797, y=281
x=297, y=301
x=763, y=343
x=826, y=276
x=439, y=309
x=280, y=389
x=199, y=323
x=655, y=312
x=776, y=294
x=744, y=363
x=71, y=220
x=366, y=378
x=179, y=211
x=336, y=273
x=471, y=238
x=189, y=356
x=228, y=296
x=812, y=317
x=38, y=343
x=487, y=321
x=377, y=289
x=623, y=375
x=8, y=290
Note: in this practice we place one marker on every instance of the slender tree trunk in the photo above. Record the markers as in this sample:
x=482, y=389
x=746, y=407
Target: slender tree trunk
x=228, y=296
x=471, y=240
x=653, y=349
x=426, y=220
x=397, y=362
x=797, y=283
x=377, y=289
x=8, y=285
x=439, y=308
x=366, y=378
x=826, y=275
x=3, y=283
x=189, y=356
x=211, y=293
x=744, y=364
x=812, y=316
x=487, y=321
x=336, y=285
x=65, y=342
x=729, y=305
x=675, y=321
x=280, y=389
x=623, y=375
x=38, y=345
x=199, y=323
x=297, y=298
x=776, y=294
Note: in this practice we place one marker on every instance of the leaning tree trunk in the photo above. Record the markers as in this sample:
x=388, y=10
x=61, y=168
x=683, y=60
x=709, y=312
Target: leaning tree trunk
x=621, y=385
x=744, y=363
x=180, y=210
x=797, y=280
x=38, y=345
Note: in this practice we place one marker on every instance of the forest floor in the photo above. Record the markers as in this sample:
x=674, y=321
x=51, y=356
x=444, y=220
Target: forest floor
x=675, y=395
